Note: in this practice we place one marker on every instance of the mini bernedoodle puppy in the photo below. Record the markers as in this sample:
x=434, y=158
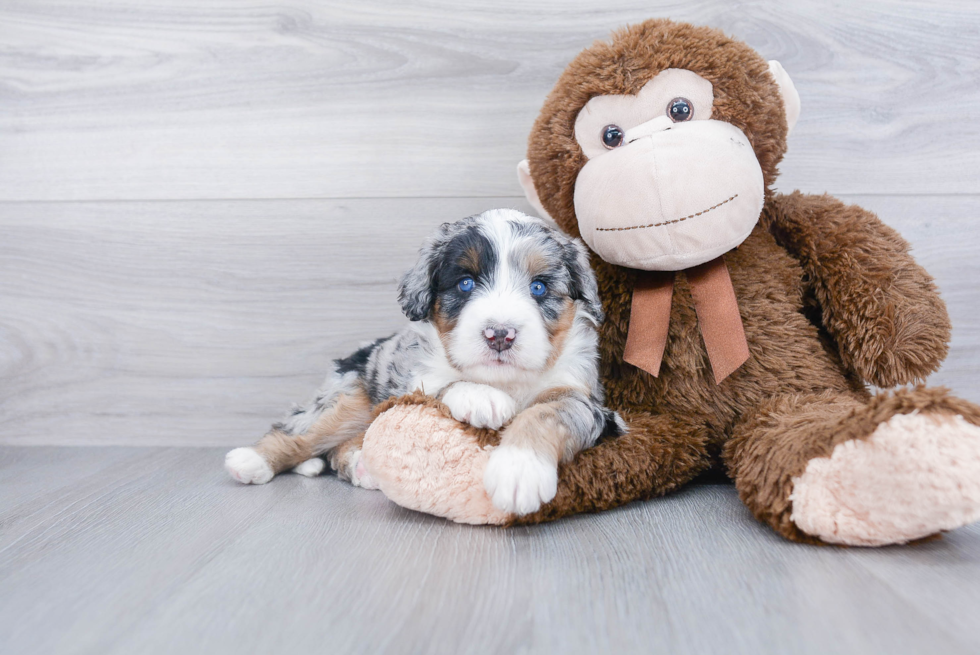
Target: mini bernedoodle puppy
x=504, y=311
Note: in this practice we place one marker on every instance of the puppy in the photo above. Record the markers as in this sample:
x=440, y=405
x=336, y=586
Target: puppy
x=504, y=310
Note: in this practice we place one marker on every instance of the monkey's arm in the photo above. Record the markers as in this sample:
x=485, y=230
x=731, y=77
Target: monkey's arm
x=881, y=307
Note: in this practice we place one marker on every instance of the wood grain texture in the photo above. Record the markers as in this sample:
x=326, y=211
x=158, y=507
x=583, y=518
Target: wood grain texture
x=199, y=323
x=191, y=323
x=155, y=550
x=110, y=99
x=202, y=204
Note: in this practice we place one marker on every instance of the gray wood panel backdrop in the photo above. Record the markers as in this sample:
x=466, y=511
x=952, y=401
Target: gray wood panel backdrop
x=202, y=203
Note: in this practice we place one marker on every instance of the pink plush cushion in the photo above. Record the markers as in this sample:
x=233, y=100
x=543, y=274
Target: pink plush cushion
x=422, y=460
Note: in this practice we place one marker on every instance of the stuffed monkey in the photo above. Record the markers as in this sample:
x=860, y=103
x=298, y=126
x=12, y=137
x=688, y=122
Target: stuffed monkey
x=743, y=326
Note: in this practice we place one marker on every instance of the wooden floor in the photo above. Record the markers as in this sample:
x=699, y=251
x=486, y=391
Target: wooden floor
x=203, y=203
x=154, y=550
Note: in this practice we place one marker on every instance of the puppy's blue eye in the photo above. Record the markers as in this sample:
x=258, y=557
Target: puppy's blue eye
x=538, y=288
x=465, y=285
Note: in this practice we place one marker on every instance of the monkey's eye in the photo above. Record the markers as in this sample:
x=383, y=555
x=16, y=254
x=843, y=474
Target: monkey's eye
x=680, y=110
x=612, y=136
x=538, y=288
x=465, y=285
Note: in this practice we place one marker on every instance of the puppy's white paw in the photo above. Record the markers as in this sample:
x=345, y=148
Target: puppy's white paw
x=248, y=467
x=310, y=468
x=519, y=480
x=479, y=405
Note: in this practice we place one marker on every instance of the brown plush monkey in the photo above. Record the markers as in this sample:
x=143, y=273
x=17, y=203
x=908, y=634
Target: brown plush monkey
x=742, y=326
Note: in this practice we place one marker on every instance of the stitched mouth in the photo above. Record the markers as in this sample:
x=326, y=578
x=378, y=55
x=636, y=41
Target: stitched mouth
x=670, y=222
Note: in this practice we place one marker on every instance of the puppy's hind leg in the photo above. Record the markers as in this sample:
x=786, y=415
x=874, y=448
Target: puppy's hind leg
x=311, y=467
x=345, y=459
x=340, y=413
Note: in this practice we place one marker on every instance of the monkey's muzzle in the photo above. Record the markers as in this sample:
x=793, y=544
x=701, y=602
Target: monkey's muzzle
x=671, y=199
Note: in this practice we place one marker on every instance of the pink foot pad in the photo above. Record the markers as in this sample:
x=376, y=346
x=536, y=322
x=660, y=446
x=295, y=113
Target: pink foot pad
x=916, y=475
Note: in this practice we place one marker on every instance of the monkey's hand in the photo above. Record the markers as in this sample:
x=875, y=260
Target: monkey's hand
x=881, y=307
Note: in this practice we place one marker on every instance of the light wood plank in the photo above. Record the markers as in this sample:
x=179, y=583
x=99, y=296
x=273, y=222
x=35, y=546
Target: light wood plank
x=107, y=99
x=201, y=322
x=155, y=323
x=169, y=555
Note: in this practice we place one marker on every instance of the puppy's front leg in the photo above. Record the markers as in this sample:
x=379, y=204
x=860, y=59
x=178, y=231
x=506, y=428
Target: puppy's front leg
x=522, y=472
x=479, y=405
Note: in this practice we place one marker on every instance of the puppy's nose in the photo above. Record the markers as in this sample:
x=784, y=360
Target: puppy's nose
x=500, y=339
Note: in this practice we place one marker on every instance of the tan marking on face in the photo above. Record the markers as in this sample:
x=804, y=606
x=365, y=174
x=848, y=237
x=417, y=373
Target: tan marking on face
x=536, y=263
x=558, y=331
x=444, y=327
x=347, y=419
x=470, y=260
x=444, y=324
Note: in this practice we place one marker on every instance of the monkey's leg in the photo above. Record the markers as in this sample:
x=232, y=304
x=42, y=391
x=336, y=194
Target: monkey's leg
x=327, y=424
x=657, y=454
x=830, y=467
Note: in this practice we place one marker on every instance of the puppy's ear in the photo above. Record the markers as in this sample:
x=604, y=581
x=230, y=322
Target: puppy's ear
x=416, y=291
x=583, y=286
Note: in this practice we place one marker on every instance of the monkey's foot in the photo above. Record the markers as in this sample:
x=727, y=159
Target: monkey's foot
x=916, y=475
x=424, y=460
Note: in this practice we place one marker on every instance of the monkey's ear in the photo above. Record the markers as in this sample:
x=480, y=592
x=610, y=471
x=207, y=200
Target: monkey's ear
x=791, y=99
x=531, y=193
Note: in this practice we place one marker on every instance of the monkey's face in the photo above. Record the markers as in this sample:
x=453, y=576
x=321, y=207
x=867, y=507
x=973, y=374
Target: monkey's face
x=657, y=148
x=665, y=187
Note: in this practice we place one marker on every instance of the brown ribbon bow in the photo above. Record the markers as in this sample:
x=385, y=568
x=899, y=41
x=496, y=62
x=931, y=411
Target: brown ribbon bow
x=718, y=317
